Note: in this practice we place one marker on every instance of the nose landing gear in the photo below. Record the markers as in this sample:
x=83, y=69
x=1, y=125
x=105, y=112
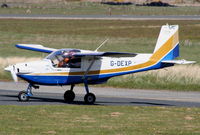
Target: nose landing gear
x=25, y=95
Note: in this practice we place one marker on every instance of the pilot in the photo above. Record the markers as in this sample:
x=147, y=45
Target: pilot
x=64, y=62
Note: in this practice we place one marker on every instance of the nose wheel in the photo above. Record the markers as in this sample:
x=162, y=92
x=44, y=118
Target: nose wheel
x=23, y=96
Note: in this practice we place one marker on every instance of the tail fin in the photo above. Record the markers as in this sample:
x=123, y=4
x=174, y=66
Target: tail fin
x=167, y=46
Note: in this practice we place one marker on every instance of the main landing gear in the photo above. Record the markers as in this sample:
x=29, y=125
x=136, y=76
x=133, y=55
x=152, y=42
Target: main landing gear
x=25, y=95
x=89, y=97
x=69, y=95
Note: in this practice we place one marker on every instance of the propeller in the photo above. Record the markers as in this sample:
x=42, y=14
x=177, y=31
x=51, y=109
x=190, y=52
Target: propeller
x=14, y=76
x=12, y=71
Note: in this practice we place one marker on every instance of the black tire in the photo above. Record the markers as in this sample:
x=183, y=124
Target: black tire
x=90, y=98
x=23, y=97
x=69, y=96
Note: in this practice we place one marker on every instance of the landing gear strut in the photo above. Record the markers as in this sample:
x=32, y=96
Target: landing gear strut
x=89, y=97
x=69, y=95
x=25, y=95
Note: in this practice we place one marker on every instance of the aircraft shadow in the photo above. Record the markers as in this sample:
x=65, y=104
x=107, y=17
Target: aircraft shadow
x=153, y=104
x=135, y=103
x=42, y=100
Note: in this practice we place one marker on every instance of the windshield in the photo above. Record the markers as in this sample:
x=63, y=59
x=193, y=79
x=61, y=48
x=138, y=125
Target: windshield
x=63, y=58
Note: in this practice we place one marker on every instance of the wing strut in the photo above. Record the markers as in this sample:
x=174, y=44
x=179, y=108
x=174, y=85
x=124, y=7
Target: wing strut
x=89, y=67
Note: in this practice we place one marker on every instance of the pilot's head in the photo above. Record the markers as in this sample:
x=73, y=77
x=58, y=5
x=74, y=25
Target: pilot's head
x=66, y=59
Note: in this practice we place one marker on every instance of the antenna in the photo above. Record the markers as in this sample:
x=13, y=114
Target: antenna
x=168, y=25
x=101, y=44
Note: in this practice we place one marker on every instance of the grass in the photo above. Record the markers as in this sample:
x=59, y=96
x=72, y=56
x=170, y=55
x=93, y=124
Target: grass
x=89, y=8
x=173, y=78
x=125, y=36
x=113, y=120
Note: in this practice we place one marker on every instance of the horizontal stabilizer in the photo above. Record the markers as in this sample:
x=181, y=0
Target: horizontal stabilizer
x=105, y=54
x=35, y=47
x=178, y=62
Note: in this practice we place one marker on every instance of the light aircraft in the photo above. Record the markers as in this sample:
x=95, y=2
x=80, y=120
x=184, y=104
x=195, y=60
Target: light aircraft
x=75, y=66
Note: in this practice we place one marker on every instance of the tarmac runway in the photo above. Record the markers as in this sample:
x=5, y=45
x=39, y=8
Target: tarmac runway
x=101, y=17
x=51, y=95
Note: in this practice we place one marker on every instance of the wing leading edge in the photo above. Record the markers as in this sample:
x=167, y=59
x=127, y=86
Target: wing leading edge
x=106, y=54
x=35, y=47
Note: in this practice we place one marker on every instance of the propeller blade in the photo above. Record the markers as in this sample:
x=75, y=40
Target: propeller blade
x=14, y=76
x=12, y=71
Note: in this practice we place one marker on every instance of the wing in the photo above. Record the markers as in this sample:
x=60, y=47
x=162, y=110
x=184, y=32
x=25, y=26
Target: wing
x=178, y=62
x=35, y=47
x=106, y=54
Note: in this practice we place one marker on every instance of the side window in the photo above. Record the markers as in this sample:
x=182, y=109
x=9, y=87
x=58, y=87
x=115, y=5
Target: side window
x=75, y=63
x=64, y=59
x=70, y=63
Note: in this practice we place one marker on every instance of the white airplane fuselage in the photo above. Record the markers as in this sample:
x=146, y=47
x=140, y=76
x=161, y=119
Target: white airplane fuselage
x=44, y=73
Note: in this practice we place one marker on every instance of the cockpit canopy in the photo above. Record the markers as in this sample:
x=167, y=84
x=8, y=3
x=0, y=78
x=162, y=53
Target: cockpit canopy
x=64, y=58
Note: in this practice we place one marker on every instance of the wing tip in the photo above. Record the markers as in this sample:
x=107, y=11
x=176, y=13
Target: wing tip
x=34, y=47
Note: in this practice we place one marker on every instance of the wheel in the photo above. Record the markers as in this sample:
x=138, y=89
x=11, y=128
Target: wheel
x=90, y=98
x=22, y=96
x=69, y=96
